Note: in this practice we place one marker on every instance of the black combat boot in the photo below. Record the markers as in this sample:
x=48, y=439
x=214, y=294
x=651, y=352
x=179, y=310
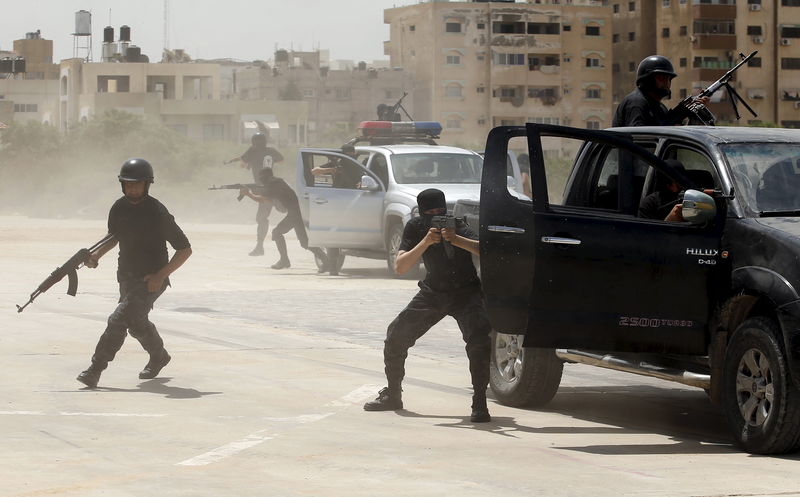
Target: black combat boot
x=480, y=413
x=387, y=400
x=282, y=264
x=91, y=376
x=154, y=366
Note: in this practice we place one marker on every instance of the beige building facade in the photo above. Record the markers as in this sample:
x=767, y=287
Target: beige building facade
x=337, y=99
x=184, y=97
x=703, y=39
x=31, y=95
x=476, y=65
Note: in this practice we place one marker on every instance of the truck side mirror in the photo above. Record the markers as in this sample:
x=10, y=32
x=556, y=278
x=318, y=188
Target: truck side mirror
x=698, y=207
x=369, y=184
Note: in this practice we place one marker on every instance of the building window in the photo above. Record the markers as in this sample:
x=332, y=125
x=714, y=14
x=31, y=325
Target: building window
x=452, y=27
x=26, y=107
x=631, y=6
x=684, y=31
x=682, y=61
x=754, y=30
x=509, y=59
x=508, y=27
x=508, y=92
x=713, y=27
x=566, y=27
x=481, y=25
x=181, y=129
x=665, y=32
x=213, y=132
x=452, y=90
x=343, y=93
x=615, y=67
x=665, y=3
x=615, y=38
x=412, y=28
x=790, y=3
x=592, y=124
x=453, y=123
x=544, y=120
x=790, y=62
x=308, y=92
x=481, y=122
x=592, y=30
x=593, y=93
x=481, y=89
x=631, y=36
x=544, y=28
x=616, y=8
x=790, y=32
x=754, y=62
x=535, y=62
x=453, y=60
x=593, y=62
x=631, y=66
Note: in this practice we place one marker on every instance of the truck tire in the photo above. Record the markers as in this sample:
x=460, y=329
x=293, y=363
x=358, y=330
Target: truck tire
x=523, y=376
x=393, y=239
x=760, y=401
x=339, y=260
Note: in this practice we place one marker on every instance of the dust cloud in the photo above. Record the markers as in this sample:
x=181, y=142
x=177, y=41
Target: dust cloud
x=47, y=174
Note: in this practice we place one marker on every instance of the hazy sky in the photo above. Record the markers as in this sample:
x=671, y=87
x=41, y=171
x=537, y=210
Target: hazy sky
x=238, y=29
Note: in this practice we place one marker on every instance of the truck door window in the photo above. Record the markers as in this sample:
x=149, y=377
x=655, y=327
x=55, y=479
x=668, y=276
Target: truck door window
x=379, y=168
x=331, y=171
x=698, y=166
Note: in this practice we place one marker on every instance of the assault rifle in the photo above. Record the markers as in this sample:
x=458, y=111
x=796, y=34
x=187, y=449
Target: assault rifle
x=701, y=112
x=445, y=222
x=68, y=269
x=235, y=186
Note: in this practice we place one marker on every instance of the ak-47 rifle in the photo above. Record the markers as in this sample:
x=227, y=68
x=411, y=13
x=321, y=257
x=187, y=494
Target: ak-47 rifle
x=235, y=186
x=701, y=112
x=68, y=269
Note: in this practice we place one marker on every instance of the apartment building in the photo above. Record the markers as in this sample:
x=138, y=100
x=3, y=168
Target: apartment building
x=338, y=99
x=703, y=39
x=183, y=96
x=30, y=95
x=476, y=65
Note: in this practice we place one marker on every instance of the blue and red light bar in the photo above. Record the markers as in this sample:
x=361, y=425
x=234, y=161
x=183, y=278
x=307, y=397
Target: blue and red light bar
x=400, y=128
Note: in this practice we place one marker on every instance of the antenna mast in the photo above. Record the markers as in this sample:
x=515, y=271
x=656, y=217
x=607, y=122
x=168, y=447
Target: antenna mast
x=166, y=25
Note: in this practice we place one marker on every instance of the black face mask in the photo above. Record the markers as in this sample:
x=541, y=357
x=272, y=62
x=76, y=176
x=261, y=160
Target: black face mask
x=430, y=199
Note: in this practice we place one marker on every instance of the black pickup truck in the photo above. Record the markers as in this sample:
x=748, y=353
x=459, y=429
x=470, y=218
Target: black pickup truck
x=582, y=277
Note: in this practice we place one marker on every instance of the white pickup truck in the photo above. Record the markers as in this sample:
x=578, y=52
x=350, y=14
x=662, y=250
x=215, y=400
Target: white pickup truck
x=365, y=215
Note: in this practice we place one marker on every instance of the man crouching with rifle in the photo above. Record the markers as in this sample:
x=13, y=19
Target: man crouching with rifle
x=142, y=226
x=451, y=288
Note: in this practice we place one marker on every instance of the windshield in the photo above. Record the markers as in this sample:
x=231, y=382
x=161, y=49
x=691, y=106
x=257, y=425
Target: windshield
x=428, y=168
x=767, y=175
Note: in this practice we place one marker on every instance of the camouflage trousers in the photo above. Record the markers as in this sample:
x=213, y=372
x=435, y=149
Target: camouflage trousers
x=427, y=308
x=130, y=316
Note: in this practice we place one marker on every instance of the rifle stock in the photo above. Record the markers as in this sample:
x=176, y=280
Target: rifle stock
x=68, y=269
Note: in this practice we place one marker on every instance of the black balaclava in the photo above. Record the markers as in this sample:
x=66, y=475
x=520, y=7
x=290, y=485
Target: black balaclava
x=431, y=198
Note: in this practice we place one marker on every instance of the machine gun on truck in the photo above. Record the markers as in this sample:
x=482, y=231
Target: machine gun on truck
x=68, y=269
x=701, y=112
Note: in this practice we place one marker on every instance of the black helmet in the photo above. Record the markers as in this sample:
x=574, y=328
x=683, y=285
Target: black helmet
x=136, y=170
x=259, y=139
x=655, y=64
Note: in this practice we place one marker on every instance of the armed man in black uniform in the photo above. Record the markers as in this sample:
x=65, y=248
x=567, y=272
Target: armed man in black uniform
x=277, y=190
x=643, y=106
x=451, y=288
x=256, y=158
x=142, y=226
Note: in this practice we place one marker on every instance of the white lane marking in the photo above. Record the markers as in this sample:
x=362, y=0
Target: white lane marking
x=67, y=413
x=355, y=397
x=227, y=450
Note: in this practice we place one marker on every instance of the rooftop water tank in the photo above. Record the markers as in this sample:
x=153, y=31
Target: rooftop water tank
x=83, y=23
x=125, y=33
x=108, y=34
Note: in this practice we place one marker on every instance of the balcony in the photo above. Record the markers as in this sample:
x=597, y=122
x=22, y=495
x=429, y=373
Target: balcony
x=708, y=74
x=714, y=41
x=714, y=11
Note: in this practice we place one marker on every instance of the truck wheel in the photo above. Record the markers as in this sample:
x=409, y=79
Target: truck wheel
x=523, y=376
x=339, y=260
x=395, y=237
x=760, y=401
